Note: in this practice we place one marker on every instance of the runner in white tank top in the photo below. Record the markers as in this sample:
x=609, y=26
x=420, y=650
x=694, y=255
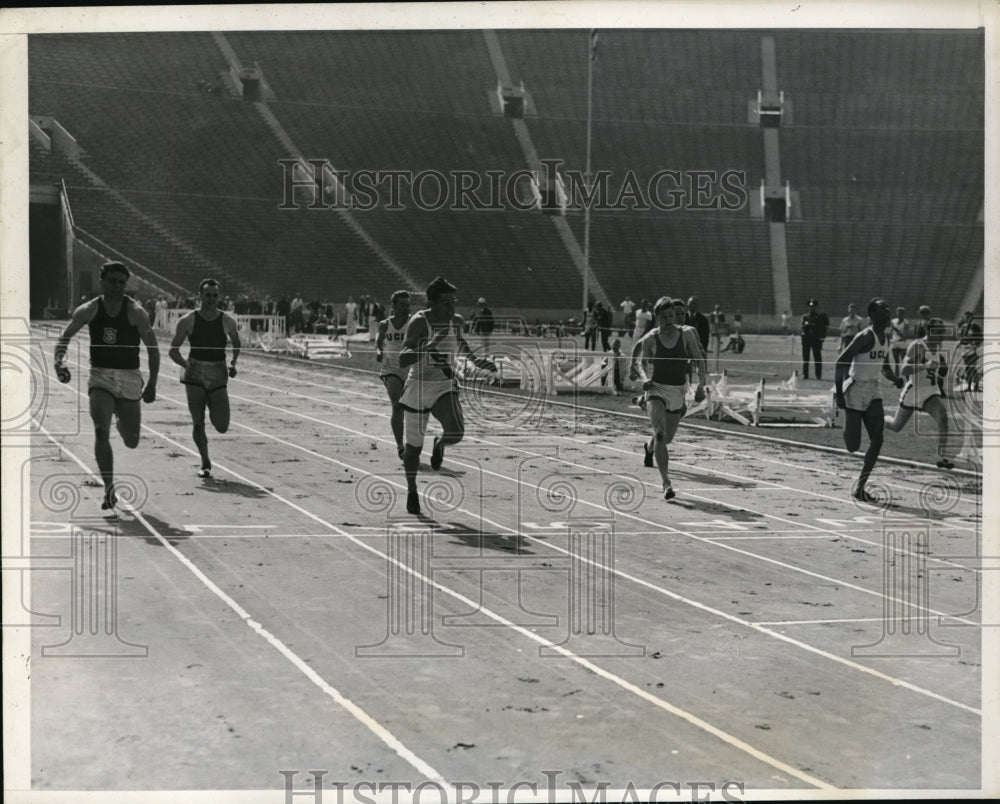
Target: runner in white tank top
x=922, y=369
x=857, y=389
x=388, y=345
x=433, y=339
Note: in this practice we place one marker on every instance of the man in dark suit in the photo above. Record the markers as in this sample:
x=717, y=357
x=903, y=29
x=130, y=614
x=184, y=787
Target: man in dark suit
x=814, y=326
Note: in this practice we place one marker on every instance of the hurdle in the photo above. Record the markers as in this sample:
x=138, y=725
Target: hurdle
x=588, y=373
x=313, y=348
x=788, y=401
x=739, y=403
x=509, y=374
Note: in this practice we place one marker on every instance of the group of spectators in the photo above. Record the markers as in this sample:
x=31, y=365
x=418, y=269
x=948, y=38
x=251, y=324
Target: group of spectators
x=901, y=331
x=314, y=317
x=637, y=320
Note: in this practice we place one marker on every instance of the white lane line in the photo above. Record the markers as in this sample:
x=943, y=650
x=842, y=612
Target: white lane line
x=653, y=587
x=820, y=622
x=634, y=517
x=641, y=582
x=716, y=542
x=716, y=472
x=714, y=432
x=370, y=722
x=341, y=700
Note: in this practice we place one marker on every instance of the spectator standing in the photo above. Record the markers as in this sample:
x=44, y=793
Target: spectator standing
x=485, y=323
x=590, y=328
x=899, y=337
x=628, y=313
x=699, y=321
x=351, y=316
x=850, y=325
x=363, y=310
x=375, y=315
x=813, y=332
x=284, y=309
x=604, y=324
x=643, y=321
x=298, y=318
x=161, y=313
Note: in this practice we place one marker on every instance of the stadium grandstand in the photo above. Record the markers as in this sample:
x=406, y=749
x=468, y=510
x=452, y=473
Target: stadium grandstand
x=849, y=176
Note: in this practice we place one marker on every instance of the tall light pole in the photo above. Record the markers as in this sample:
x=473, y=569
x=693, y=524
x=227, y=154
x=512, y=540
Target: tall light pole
x=592, y=55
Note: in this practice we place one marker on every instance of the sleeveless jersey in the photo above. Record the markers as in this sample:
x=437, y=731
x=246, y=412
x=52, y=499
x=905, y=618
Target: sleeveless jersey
x=114, y=342
x=208, y=339
x=867, y=366
x=392, y=343
x=670, y=364
x=925, y=363
x=429, y=370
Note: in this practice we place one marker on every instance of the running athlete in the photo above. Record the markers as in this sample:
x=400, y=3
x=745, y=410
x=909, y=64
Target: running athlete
x=387, y=347
x=923, y=367
x=117, y=323
x=205, y=376
x=431, y=342
x=668, y=347
x=857, y=389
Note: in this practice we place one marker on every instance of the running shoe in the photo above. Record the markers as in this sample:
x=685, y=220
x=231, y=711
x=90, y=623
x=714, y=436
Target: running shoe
x=668, y=492
x=648, y=458
x=944, y=463
x=205, y=472
x=865, y=497
x=437, y=454
x=412, y=503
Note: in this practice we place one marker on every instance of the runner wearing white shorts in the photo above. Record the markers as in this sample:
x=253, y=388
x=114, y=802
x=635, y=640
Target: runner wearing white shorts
x=432, y=340
x=388, y=344
x=117, y=325
x=205, y=375
x=667, y=349
x=923, y=367
x=857, y=389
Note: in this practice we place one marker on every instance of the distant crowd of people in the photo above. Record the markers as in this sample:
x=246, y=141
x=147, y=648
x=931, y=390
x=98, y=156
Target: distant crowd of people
x=597, y=325
x=301, y=317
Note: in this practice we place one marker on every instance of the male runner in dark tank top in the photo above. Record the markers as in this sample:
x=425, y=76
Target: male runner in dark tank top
x=117, y=324
x=205, y=375
x=668, y=348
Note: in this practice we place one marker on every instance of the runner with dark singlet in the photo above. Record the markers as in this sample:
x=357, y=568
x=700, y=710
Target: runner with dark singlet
x=388, y=344
x=117, y=324
x=205, y=375
x=668, y=347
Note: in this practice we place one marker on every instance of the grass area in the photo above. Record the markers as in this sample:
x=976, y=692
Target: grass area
x=769, y=357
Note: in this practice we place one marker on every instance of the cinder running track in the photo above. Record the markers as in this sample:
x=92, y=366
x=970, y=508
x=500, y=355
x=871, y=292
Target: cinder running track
x=549, y=620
